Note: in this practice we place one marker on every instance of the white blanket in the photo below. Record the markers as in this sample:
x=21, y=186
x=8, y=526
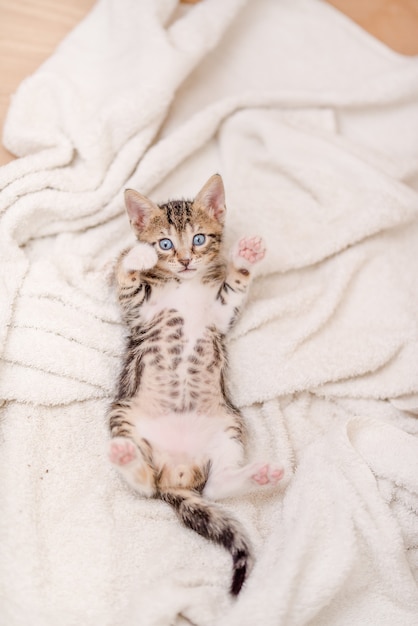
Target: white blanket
x=313, y=126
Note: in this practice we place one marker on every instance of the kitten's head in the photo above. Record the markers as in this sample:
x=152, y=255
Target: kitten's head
x=186, y=235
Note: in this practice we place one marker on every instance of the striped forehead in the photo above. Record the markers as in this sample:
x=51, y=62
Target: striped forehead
x=178, y=213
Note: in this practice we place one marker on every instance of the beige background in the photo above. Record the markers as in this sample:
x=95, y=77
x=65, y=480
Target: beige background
x=30, y=30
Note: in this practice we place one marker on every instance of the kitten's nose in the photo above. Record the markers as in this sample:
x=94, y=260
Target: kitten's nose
x=184, y=262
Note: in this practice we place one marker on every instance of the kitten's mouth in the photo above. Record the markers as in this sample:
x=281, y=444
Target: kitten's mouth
x=187, y=271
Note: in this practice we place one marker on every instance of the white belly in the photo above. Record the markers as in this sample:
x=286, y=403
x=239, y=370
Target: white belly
x=186, y=435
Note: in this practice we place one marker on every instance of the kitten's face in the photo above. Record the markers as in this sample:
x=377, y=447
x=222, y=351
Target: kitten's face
x=185, y=238
x=186, y=235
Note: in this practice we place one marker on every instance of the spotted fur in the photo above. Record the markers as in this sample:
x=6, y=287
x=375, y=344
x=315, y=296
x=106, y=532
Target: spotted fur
x=176, y=434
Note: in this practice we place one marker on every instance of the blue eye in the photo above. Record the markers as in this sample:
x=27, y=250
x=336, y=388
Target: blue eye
x=166, y=244
x=199, y=240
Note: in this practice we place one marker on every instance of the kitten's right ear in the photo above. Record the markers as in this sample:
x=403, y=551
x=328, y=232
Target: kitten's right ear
x=139, y=209
x=212, y=198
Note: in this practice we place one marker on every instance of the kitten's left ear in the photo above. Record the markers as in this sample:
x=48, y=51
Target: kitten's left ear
x=212, y=198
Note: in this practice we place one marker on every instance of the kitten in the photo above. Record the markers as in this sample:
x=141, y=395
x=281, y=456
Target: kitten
x=175, y=433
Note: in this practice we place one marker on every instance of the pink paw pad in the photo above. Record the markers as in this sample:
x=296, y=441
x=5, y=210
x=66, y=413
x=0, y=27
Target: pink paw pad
x=267, y=475
x=252, y=249
x=276, y=475
x=122, y=452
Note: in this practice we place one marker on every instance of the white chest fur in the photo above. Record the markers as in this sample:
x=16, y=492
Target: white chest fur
x=194, y=302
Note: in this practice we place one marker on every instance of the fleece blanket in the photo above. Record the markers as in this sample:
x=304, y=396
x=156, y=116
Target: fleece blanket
x=312, y=125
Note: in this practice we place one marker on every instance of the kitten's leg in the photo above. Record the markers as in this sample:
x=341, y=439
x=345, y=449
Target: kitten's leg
x=227, y=482
x=131, y=455
x=228, y=477
x=131, y=263
x=247, y=252
x=131, y=461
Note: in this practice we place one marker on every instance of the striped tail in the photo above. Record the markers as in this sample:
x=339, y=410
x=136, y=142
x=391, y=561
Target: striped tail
x=209, y=521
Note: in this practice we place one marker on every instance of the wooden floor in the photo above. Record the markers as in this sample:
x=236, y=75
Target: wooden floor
x=30, y=30
x=395, y=22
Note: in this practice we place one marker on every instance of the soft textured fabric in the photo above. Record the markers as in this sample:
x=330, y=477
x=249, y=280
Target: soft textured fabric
x=313, y=126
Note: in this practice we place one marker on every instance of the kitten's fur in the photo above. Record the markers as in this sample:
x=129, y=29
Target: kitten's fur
x=175, y=433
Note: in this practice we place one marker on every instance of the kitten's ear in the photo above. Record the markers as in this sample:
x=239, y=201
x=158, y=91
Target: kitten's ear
x=139, y=209
x=212, y=198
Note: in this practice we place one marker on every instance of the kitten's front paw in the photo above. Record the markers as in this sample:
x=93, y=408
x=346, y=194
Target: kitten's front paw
x=248, y=251
x=141, y=257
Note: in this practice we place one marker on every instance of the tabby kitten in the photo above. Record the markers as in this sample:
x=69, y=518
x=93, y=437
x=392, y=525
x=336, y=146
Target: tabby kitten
x=175, y=433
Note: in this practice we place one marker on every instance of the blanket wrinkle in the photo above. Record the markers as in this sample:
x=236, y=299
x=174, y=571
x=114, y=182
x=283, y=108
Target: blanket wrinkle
x=352, y=532
x=310, y=122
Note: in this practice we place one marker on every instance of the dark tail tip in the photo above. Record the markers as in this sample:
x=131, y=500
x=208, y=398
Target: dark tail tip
x=240, y=571
x=209, y=522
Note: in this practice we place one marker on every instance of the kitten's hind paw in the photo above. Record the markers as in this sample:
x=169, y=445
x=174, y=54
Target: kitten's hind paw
x=122, y=451
x=266, y=474
x=139, y=258
x=248, y=251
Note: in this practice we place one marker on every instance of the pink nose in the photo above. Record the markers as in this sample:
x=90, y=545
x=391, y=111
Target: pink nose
x=184, y=262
